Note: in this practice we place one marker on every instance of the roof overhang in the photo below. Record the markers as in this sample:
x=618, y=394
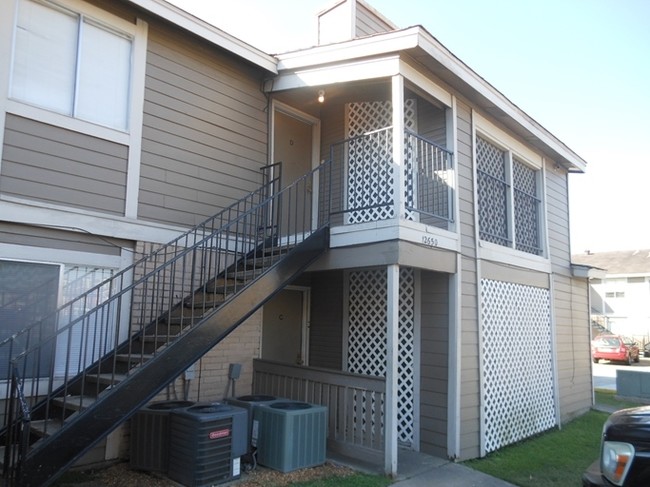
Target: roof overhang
x=587, y=272
x=208, y=32
x=419, y=45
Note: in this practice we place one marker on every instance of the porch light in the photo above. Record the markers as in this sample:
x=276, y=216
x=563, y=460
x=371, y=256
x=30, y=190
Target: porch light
x=321, y=96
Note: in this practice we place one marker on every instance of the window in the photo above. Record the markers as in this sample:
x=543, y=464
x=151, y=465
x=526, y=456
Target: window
x=69, y=63
x=29, y=295
x=509, y=204
x=615, y=294
x=635, y=280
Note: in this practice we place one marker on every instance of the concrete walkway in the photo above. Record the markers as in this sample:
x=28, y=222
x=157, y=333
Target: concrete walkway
x=420, y=470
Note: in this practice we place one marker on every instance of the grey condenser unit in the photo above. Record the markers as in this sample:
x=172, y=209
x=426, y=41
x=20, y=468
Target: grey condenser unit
x=249, y=403
x=290, y=435
x=207, y=441
x=150, y=435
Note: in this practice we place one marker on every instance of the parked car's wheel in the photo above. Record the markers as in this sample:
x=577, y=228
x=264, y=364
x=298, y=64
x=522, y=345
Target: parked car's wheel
x=630, y=360
x=595, y=360
x=637, y=358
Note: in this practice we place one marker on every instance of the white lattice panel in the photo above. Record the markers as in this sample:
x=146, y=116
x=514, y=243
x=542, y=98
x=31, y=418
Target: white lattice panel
x=367, y=326
x=406, y=360
x=367, y=322
x=518, y=395
x=370, y=159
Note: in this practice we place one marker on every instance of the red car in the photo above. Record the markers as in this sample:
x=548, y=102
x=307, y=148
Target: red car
x=615, y=348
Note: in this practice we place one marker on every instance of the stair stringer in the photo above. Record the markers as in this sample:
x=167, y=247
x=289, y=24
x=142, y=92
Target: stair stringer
x=53, y=455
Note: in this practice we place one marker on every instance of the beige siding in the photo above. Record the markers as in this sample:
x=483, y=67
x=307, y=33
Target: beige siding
x=469, y=375
x=205, y=130
x=434, y=360
x=571, y=308
x=57, y=166
x=50, y=238
x=570, y=302
x=368, y=22
x=557, y=204
x=432, y=123
x=326, y=320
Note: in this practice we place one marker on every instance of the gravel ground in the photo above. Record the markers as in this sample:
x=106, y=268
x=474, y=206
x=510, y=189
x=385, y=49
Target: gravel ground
x=120, y=475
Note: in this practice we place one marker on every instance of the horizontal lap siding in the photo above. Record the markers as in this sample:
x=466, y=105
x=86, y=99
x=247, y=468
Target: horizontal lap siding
x=557, y=205
x=204, y=134
x=570, y=302
x=432, y=123
x=434, y=361
x=573, y=346
x=368, y=22
x=49, y=238
x=57, y=166
x=470, y=381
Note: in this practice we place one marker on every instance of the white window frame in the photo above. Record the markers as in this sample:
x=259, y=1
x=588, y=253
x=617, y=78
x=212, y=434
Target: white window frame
x=513, y=148
x=60, y=257
x=133, y=138
x=111, y=23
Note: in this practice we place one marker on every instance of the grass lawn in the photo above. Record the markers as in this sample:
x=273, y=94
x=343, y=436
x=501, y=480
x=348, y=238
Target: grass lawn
x=556, y=458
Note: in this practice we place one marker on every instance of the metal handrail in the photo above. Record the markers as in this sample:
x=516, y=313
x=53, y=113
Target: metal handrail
x=363, y=189
x=19, y=433
x=165, y=283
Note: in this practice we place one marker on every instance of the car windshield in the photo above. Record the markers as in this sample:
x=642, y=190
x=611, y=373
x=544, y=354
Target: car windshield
x=609, y=341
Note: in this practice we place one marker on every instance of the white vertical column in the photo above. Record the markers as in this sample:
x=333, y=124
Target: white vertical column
x=398, y=145
x=392, y=356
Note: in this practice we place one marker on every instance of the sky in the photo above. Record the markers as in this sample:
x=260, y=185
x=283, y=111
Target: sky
x=581, y=68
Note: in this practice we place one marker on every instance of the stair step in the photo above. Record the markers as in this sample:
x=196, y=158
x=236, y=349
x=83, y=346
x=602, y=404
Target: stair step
x=133, y=359
x=185, y=316
x=109, y=379
x=43, y=428
x=158, y=339
x=205, y=300
x=243, y=276
x=262, y=261
x=74, y=403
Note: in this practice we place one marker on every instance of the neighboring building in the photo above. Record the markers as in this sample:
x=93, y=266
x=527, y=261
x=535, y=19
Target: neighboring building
x=620, y=300
x=429, y=300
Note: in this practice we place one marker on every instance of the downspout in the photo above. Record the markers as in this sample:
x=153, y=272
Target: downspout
x=455, y=308
x=479, y=299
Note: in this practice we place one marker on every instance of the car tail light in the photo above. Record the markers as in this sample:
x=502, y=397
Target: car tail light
x=616, y=460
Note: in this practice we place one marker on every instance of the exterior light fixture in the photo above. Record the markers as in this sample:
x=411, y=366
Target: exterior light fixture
x=321, y=96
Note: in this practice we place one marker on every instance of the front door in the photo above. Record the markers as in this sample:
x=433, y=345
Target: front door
x=283, y=329
x=292, y=146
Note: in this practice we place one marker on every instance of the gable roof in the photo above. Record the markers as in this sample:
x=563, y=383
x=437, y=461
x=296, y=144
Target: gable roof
x=617, y=262
x=424, y=48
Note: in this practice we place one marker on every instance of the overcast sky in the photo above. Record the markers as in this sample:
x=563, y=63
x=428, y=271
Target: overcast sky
x=581, y=68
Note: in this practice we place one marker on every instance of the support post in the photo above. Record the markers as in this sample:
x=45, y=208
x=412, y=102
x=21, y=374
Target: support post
x=398, y=146
x=392, y=356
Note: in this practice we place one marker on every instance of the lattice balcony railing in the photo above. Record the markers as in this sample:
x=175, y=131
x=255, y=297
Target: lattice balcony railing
x=363, y=183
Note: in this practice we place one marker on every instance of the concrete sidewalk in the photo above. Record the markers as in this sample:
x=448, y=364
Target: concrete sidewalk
x=420, y=470
x=451, y=475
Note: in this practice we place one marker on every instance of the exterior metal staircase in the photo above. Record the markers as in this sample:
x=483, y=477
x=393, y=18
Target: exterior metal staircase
x=123, y=341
